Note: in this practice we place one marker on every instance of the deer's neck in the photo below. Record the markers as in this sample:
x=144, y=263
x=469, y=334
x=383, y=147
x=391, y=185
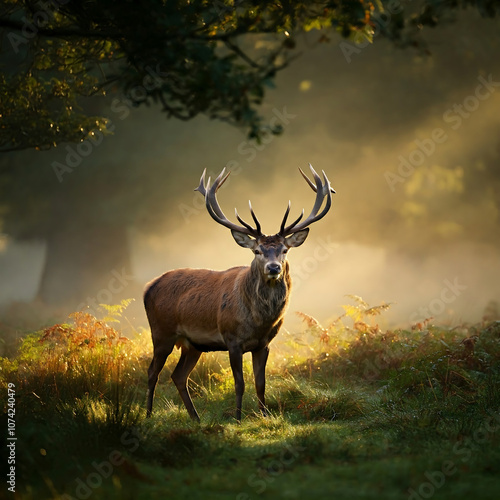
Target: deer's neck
x=266, y=300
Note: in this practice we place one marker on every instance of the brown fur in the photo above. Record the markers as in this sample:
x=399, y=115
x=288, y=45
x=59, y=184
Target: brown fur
x=239, y=310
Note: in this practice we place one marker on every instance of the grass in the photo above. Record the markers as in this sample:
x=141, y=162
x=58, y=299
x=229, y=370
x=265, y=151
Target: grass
x=355, y=412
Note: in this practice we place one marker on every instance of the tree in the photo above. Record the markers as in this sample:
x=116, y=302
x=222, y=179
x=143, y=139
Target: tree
x=185, y=55
x=61, y=59
x=191, y=56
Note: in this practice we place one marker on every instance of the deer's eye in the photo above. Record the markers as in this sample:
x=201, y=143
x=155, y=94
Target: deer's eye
x=257, y=252
x=285, y=250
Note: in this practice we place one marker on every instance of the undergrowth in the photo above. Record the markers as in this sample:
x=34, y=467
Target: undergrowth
x=341, y=393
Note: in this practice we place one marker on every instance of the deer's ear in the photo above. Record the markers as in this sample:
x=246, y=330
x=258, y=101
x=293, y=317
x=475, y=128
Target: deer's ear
x=243, y=239
x=297, y=238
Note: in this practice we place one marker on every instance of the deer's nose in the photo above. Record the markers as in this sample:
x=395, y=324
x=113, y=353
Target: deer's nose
x=273, y=268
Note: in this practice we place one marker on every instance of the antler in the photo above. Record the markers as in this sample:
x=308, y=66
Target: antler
x=321, y=189
x=209, y=192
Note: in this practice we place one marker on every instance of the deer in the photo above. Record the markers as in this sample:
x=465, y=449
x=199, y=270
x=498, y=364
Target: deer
x=238, y=310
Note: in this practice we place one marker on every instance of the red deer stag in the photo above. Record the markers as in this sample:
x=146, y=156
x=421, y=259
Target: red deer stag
x=237, y=310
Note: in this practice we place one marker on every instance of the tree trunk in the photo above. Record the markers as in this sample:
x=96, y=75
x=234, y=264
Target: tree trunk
x=86, y=264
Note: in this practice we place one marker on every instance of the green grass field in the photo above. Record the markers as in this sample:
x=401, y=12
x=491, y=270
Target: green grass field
x=355, y=413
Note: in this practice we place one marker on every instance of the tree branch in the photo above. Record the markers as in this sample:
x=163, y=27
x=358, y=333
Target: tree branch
x=62, y=32
x=118, y=35
x=242, y=54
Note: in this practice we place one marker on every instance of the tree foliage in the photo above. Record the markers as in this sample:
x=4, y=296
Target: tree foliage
x=59, y=58
x=215, y=58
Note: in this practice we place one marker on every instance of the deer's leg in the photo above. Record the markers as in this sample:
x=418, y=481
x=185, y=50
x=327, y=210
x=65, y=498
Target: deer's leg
x=236, y=360
x=189, y=358
x=161, y=353
x=259, y=360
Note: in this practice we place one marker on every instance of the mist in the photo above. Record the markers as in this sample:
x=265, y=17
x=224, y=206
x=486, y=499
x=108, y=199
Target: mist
x=422, y=237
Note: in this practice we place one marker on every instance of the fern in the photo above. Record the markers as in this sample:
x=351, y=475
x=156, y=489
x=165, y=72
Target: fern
x=114, y=311
x=360, y=313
